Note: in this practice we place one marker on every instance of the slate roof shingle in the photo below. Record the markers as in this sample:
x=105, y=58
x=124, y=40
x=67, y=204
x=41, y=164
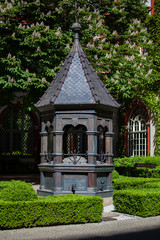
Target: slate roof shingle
x=77, y=83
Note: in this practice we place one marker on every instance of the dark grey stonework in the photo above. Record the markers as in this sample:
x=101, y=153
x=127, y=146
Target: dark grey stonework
x=76, y=99
x=75, y=88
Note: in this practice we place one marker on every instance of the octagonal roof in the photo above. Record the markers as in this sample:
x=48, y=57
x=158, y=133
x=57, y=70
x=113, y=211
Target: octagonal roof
x=76, y=82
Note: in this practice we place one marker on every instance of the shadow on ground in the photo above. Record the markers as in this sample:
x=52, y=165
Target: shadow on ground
x=152, y=234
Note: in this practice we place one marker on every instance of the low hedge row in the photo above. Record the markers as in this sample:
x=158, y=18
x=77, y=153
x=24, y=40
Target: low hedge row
x=53, y=210
x=142, y=202
x=137, y=196
x=122, y=183
x=17, y=191
x=125, y=166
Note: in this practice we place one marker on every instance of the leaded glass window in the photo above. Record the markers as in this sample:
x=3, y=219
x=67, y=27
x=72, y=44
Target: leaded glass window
x=17, y=133
x=137, y=132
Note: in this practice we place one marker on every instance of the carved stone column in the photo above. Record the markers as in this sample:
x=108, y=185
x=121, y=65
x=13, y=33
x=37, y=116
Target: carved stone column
x=92, y=182
x=92, y=146
x=58, y=143
x=44, y=140
x=58, y=182
x=109, y=145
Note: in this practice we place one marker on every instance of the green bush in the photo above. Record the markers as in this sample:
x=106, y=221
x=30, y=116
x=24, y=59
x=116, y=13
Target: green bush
x=17, y=191
x=142, y=202
x=115, y=175
x=133, y=182
x=125, y=166
x=53, y=210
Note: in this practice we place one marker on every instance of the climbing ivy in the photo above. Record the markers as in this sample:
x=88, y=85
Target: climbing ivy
x=117, y=38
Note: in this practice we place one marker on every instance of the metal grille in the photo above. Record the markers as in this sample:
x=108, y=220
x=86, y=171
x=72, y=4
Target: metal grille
x=137, y=129
x=17, y=138
x=75, y=140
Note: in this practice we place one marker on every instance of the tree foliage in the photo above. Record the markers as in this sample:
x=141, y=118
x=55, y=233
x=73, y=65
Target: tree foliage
x=36, y=36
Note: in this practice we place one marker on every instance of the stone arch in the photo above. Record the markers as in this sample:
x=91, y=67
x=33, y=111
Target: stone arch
x=75, y=139
x=137, y=132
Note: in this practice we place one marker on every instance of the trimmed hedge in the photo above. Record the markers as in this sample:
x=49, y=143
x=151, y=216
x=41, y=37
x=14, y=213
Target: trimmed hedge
x=142, y=202
x=137, y=196
x=115, y=175
x=66, y=209
x=125, y=166
x=131, y=182
x=17, y=191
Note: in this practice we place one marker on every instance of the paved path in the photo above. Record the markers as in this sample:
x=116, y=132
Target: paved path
x=133, y=229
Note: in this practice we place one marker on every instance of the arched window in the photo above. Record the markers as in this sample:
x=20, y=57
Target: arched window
x=75, y=139
x=17, y=133
x=137, y=132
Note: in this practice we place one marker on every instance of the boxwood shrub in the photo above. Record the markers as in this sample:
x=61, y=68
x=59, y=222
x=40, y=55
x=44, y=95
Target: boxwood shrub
x=51, y=210
x=125, y=166
x=140, y=202
x=132, y=182
x=17, y=191
x=137, y=196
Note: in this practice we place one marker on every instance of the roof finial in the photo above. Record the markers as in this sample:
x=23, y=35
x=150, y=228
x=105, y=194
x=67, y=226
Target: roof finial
x=76, y=11
x=76, y=26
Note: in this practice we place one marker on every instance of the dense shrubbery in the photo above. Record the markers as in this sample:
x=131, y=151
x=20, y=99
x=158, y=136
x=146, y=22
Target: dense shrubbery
x=17, y=191
x=115, y=175
x=21, y=207
x=133, y=182
x=140, y=202
x=137, y=196
x=125, y=166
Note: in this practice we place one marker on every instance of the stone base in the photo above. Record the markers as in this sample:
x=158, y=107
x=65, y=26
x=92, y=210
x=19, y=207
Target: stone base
x=106, y=195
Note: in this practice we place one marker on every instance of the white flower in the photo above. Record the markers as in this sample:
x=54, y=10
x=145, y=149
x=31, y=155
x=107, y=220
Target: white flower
x=144, y=58
x=114, y=32
x=103, y=40
x=89, y=18
x=43, y=80
x=49, y=13
x=9, y=56
x=67, y=46
x=29, y=79
x=46, y=29
x=99, y=46
x=150, y=71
